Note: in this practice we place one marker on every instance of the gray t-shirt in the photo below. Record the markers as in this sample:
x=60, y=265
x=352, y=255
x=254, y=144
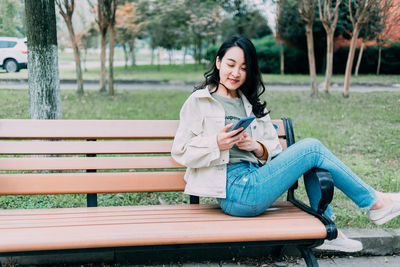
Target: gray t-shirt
x=234, y=111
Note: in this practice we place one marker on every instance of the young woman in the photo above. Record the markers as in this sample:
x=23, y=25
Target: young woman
x=236, y=167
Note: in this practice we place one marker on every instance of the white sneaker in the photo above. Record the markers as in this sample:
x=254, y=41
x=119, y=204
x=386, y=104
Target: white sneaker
x=341, y=243
x=383, y=215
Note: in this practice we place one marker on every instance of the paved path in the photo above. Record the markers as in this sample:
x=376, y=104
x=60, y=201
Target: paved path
x=348, y=261
x=380, y=261
x=178, y=85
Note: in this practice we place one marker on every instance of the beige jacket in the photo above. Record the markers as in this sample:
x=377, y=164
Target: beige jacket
x=195, y=144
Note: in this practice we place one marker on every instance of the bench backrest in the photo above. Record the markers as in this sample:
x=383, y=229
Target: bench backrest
x=90, y=156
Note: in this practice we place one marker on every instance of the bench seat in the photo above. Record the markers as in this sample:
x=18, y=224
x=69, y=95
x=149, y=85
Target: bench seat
x=76, y=228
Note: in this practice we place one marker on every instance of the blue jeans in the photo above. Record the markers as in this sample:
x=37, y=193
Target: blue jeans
x=251, y=189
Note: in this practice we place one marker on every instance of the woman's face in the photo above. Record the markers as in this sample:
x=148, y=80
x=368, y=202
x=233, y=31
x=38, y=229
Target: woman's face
x=232, y=68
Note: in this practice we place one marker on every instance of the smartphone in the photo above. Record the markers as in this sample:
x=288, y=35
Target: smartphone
x=243, y=122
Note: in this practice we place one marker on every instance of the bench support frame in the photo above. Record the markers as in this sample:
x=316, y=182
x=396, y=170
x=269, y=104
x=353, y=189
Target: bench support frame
x=164, y=253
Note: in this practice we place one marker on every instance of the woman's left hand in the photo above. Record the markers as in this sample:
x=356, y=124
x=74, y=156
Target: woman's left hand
x=247, y=143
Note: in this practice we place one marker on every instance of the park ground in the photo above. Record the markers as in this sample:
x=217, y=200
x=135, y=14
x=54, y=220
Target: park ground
x=363, y=131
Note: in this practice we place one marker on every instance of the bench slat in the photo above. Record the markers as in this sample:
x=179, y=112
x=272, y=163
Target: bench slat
x=278, y=223
x=157, y=234
x=131, y=219
x=281, y=128
x=132, y=216
x=94, y=129
x=84, y=163
x=87, y=129
x=182, y=208
x=180, y=212
x=84, y=147
x=82, y=183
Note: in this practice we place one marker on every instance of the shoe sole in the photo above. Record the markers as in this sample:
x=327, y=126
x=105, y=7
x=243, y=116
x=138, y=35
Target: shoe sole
x=333, y=248
x=386, y=219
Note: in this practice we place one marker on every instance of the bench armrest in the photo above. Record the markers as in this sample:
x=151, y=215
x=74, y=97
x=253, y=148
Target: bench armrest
x=326, y=185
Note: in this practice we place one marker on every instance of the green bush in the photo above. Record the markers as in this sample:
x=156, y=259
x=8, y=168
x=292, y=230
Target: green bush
x=269, y=57
x=211, y=53
x=390, y=63
x=268, y=54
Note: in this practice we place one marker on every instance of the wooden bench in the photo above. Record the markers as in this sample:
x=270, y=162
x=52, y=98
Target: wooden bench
x=121, y=156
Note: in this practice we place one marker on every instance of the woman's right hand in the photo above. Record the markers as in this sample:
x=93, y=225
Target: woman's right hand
x=226, y=139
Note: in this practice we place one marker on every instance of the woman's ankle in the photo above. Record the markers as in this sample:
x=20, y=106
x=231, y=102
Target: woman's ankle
x=382, y=202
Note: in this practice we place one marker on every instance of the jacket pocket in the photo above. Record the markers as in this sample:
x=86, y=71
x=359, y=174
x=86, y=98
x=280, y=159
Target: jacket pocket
x=196, y=127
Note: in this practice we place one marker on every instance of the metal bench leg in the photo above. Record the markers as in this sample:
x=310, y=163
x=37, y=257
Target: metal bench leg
x=308, y=256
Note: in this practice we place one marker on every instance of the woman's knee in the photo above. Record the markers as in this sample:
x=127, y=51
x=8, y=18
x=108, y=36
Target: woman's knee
x=312, y=141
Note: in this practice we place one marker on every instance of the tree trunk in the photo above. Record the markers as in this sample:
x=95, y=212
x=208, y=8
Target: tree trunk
x=84, y=60
x=170, y=54
x=152, y=56
x=184, y=55
x=133, y=54
x=159, y=59
x=43, y=77
x=359, y=58
x=195, y=56
x=329, y=60
x=350, y=59
x=282, y=50
x=126, y=56
x=311, y=59
x=378, y=69
x=103, y=62
x=111, y=61
x=77, y=57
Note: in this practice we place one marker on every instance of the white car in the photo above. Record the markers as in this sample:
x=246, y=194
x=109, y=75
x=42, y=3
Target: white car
x=13, y=54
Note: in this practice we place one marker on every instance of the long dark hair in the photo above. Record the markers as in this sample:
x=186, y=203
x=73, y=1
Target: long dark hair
x=253, y=87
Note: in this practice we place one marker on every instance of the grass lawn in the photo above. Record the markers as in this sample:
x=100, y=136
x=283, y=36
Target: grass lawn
x=193, y=73
x=363, y=131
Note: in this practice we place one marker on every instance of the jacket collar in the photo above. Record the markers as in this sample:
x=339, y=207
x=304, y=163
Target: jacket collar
x=205, y=93
x=202, y=93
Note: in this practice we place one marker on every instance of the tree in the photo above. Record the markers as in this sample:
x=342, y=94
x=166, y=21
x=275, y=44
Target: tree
x=204, y=25
x=43, y=79
x=329, y=15
x=279, y=38
x=86, y=39
x=359, y=11
x=129, y=26
x=244, y=19
x=369, y=32
x=110, y=8
x=307, y=12
x=291, y=30
x=66, y=8
x=168, y=26
x=11, y=18
x=102, y=23
x=390, y=18
x=178, y=24
x=155, y=27
x=290, y=26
